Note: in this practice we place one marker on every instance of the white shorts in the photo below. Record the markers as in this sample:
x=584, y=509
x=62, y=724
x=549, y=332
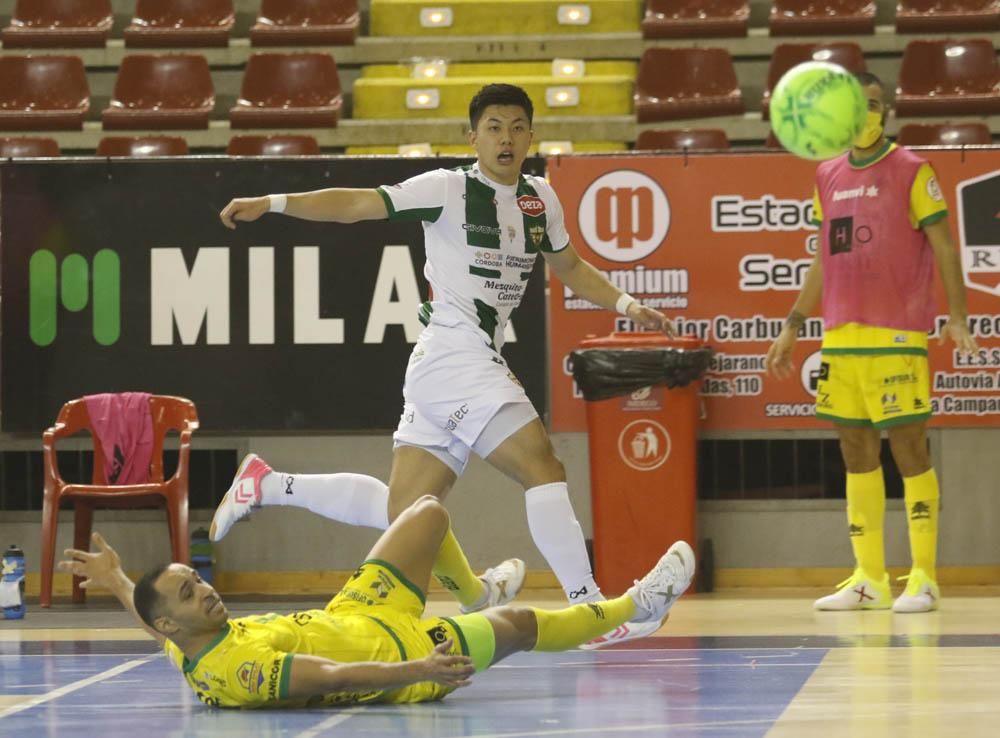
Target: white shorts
x=455, y=388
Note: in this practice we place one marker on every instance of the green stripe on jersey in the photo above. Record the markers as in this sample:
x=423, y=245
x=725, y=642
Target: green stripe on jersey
x=482, y=230
x=536, y=232
x=482, y=272
x=424, y=316
x=488, y=320
x=428, y=214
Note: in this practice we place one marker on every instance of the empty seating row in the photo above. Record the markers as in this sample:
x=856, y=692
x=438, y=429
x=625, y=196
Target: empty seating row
x=544, y=148
x=721, y=18
x=138, y=146
x=169, y=91
x=180, y=23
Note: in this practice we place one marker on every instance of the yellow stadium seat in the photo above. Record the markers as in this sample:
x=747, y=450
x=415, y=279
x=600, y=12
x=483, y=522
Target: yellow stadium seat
x=579, y=147
x=510, y=18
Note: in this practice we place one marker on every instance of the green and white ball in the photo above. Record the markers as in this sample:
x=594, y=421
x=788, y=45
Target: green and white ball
x=817, y=110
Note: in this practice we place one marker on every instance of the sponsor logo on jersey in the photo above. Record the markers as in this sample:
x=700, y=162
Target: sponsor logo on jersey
x=438, y=634
x=273, y=679
x=531, y=205
x=250, y=675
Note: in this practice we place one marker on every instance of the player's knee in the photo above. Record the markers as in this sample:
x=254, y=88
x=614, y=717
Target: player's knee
x=430, y=509
x=524, y=624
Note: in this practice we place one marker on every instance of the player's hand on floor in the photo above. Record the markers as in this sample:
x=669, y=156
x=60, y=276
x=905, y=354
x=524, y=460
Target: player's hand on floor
x=651, y=320
x=779, y=355
x=448, y=669
x=98, y=569
x=958, y=331
x=245, y=209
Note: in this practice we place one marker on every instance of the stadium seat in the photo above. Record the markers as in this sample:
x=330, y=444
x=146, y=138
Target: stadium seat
x=547, y=148
x=43, y=93
x=682, y=138
x=949, y=77
x=306, y=22
x=24, y=147
x=174, y=23
x=686, y=83
x=845, y=53
x=142, y=146
x=947, y=16
x=695, y=18
x=58, y=24
x=161, y=92
x=822, y=17
x=510, y=18
x=288, y=91
x=944, y=134
x=773, y=142
x=272, y=146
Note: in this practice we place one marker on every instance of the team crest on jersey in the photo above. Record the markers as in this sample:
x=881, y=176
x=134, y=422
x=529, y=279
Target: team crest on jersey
x=531, y=205
x=250, y=676
x=537, y=234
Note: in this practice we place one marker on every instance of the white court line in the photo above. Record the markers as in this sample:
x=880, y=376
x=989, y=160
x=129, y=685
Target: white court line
x=57, y=693
x=623, y=728
x=330, y=722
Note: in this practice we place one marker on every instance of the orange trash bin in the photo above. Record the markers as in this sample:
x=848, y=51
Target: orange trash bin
x=643, y=447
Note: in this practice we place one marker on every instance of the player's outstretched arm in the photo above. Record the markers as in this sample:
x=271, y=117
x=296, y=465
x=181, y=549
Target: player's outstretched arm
x=312, y=675
x=335, y=205
x=946, y=256
x=779, y=355
x=103, y=569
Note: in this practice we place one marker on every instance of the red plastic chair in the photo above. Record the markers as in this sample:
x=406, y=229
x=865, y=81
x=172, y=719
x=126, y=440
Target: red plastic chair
x=944, y=134
x=177, y=23
x=59, y=24
x=168, y=413
x=138, y=146
x=24, y=147
x=273, y=146
x=288, y=91
x=168, y=91
x=695, y=18
x=306, y=22
x=785, y=56
x=43, y=93
x=949, y=77
x=686, y=83
x=822, y=17
x=947, y=16
x=682, y=138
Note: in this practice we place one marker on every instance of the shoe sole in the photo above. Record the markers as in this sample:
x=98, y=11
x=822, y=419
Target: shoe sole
x=225, y=498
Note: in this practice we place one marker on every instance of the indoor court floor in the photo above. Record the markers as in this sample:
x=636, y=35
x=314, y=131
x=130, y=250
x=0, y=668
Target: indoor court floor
x=725, y=665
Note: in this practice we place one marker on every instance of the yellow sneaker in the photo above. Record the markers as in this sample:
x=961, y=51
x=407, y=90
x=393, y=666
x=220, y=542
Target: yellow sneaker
x=858, y=592
x=921, y=593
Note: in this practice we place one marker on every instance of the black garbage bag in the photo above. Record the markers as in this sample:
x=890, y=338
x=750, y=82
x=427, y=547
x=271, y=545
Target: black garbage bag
x=604, y=373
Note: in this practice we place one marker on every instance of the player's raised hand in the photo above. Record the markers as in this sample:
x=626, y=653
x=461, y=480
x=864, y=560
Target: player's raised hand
x=448, y=669
x=245, y=209
x=779, y=355
x=958, y=331
x=98, y=569
x=650, y=319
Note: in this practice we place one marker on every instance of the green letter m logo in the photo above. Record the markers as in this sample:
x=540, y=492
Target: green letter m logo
x=73, y=285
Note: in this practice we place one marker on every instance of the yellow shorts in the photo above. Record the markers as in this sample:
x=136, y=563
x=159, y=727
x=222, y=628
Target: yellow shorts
x=880, y=390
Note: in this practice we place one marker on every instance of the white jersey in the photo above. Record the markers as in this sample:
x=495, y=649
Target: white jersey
x=481, y=240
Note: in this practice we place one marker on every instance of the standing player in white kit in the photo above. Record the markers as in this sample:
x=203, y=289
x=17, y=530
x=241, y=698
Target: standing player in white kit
x=484, y=226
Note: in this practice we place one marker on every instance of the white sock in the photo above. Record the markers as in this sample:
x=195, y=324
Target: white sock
x=559, y=537
x=355, y=499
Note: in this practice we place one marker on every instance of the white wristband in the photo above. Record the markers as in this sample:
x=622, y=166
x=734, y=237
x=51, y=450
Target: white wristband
x=277, y=203
x=624, y=303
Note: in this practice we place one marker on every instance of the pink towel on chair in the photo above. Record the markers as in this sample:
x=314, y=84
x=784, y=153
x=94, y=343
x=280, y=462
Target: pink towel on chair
x=124, y=426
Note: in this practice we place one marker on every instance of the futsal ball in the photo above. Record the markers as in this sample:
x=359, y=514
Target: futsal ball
x=817, y=110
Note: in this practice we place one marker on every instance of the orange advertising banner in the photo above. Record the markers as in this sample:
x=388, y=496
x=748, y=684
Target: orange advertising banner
x=721, y=243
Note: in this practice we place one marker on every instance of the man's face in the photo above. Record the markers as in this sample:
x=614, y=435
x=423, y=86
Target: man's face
x=876, y=100
x=501, y=141
x=190, y=605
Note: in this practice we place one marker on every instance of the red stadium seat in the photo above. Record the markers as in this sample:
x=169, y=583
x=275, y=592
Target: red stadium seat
x=773, y=142
x=288, y=91
x=272, y=146
x=306, y=22
x=822, y=17
x=949, y=77
x=944, y=134
x=682, y=138
x=947, y=16
x=142, y=146
x=58, y=24
x=173, y=23
x=170, y=91
x=845, y=53
x=43, y=93
x=695, y=18
x=24, y=147
x=686, y=83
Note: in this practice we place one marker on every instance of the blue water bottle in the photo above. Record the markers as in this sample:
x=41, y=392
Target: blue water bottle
x=12, y=584
x=201, y=554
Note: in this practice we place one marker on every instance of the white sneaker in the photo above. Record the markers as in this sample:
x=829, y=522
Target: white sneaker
x=242, y=497
x=921, y=594
x=858, y=592
x=654, y=595
x=503, y=582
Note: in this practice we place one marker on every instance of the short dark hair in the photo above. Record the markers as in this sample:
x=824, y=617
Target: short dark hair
x=147, y=599
x=867, y=78
x=498, y=94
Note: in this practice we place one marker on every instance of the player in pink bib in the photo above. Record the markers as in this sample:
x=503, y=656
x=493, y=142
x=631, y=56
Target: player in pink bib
x=883, y=226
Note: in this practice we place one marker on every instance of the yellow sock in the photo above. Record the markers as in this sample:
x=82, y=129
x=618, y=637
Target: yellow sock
x=865, y=518
x=561, y=630
x=453, y=571
x=922, y=496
